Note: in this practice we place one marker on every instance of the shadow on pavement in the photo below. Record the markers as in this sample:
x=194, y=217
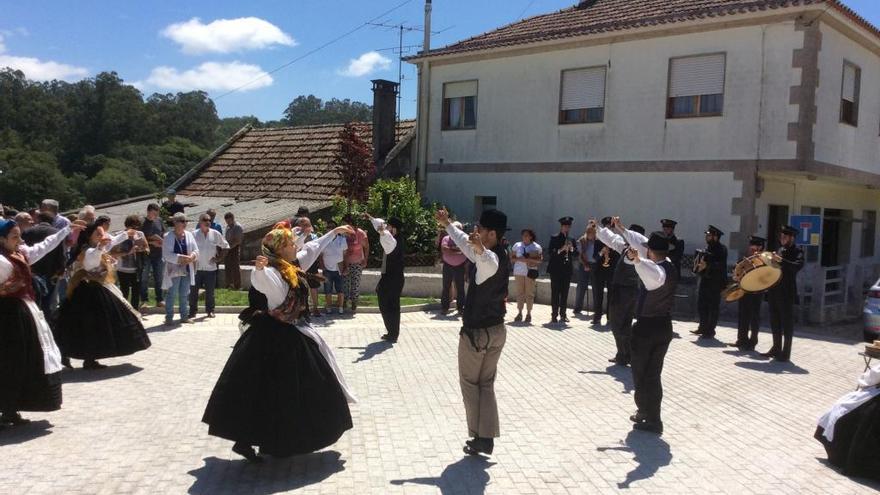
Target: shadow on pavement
x=620, y=373
x=468, y=475
x=713, y=342
x=862, y=481
x=224, y=476
x=372, y=350
x=774, y=367
x=651, y=453
x=12, y=435
x=79, y=375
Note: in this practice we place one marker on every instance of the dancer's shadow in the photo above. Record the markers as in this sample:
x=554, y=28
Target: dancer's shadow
x=372, y=350
x=651, y=453
x=774, y=367
x=620, y=373
x=708, y=343
x=439, y=315
x=79, y=375
x=19, y=434
x=468, y=475
x=556, y=327
x=223, y=476
x=875, y=484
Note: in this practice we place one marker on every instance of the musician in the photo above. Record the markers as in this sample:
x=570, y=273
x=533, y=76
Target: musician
x=749, y=306
x=605, y=260
x=563, y=253
x=711, y=268
x=624, y=290
x=783, y=295
x=676, y=245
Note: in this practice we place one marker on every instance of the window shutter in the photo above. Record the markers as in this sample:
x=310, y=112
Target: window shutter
x=583, y=88
x=849, y=83
x=694, y=76
x=460, y=89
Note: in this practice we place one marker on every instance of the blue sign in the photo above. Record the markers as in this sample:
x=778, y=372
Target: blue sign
x=810, y=227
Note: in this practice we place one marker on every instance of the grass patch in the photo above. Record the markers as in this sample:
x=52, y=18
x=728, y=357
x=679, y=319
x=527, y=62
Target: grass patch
x=228, y=297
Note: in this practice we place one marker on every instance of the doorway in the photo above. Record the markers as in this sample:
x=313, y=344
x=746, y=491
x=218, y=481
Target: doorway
x=777, y=216
x=836, y=237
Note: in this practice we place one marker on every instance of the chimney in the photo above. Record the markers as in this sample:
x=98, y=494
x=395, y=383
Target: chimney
x=384, y=119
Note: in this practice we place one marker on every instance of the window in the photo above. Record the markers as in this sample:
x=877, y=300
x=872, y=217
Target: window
x=696, y=86
x=582, y=98
x=849, y=97
x=460, y=105
x=869, y=233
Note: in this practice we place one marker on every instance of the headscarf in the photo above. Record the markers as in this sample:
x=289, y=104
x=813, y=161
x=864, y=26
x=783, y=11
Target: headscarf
x=273, y=242
x=6, y=227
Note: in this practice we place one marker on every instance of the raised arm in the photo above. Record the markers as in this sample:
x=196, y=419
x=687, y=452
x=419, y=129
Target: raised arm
x=652, y=274
x=636, y=240
x=36, y=252
x=388, y=242
x=487, y=261
x=611, y=240
x=309, y=253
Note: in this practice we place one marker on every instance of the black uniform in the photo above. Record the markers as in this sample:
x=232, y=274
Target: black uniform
x=749, y=321
x=676, y=251
x=560, y=271
x=782, y=298
x=712, y=281
x=622, y=307
x=390, y=287
x=601, y=278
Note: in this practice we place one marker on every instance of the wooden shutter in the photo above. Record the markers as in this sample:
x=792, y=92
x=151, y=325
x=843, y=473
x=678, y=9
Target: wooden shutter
x=460, y=89
x=694, y=76
x=583, y=88
x=850, y=75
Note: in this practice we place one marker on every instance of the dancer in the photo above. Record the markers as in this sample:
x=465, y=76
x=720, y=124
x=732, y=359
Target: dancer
x=483, y=333
x=624, y=292
x=30, y=362
x=96, y=321
x=281, y=388
x=391, y=282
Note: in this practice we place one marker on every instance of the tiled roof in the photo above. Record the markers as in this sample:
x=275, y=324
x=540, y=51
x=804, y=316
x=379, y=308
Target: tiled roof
x=293, y=163
x=615, y=15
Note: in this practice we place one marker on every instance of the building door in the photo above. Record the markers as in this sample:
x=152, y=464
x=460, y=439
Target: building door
x=836, y=237
x=777, y=217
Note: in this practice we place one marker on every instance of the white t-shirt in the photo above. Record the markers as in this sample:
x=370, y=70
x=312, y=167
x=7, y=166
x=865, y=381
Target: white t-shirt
x=335, y=253
x=520, y=267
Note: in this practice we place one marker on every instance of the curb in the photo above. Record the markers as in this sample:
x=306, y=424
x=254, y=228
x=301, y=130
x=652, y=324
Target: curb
x=362, y=310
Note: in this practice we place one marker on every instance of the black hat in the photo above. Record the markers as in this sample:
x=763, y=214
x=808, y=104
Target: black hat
x=637, y=228
x=606, y=221
x=493, y=220
x=395, y=222
x=566, y=221
x=789, y=230
x=757, y=241
x=657, y=242
x=668, y=223
x=713, y=230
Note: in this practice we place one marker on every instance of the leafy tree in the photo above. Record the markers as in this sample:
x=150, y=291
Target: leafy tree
x=311, y=110
x=28, y=177
x=112, y=184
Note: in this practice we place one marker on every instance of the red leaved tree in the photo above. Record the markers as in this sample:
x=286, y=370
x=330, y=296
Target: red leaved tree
x=354, y=161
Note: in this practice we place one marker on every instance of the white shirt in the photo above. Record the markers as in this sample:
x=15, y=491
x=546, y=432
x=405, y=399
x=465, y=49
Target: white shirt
x=487, y=263
x=172, y=259
x=334, y=254
x=521, y=268
x=653, y=275
x=388, y=242
x=208, y=245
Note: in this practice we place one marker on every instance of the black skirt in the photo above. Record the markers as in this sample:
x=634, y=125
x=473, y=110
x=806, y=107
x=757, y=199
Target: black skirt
x=856, y=441
x=24, y=384
x=95, y=324
x=277, y=392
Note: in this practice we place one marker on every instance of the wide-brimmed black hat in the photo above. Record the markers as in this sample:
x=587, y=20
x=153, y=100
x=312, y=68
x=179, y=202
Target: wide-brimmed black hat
x=668, y=223
x=713, y=230
x=657, y=242
x=494, y=220
x=395, y=222
x=606, y=221
x=757, y=241
x=637, y=228
x=566, y=221
x=789, y=230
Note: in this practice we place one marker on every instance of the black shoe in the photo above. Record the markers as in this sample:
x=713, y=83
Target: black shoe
x=613, y=360
x=518, y=318
x=563, y=319
x=577, y=311
x=247, y=452
x=596, y=320
x=638, y=417
x=93, y=365
x=554, y=320
x=528, y=319
x=651, y=426
x=13, y=419
x=707, y=336
x=66, y=363
x=782, y=358
x=697, y=332
x=771, y=353
x=389, y=338
x=479, y=445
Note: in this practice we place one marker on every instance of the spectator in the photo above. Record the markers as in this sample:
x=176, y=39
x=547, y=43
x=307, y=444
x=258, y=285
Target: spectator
x=180, y=252
x=333, y=257
x=47, y=270
x=304, y=226
x=51, y=207
x=154, y=230
x=526, y=256
x=234, y=237
x=586, y=247
x=454, y=264
x=131, y=261
x=211, y=244
x=212, y=213
x=24, y=220
x=301, y=212
x=87, y=214
x=355, y=261
x=171, y=204
x=103, y=221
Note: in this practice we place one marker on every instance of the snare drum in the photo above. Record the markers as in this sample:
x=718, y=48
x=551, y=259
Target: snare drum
x=758, y=272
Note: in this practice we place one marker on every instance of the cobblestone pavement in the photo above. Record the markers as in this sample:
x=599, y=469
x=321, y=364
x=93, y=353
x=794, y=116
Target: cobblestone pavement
x=734, y=423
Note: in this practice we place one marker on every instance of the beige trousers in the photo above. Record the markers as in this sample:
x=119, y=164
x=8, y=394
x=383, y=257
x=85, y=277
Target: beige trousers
x=525, y=292
x=476, y=371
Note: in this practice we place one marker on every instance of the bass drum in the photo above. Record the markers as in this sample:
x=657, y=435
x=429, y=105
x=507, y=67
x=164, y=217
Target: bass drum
x=758, y=272
x=733, y=293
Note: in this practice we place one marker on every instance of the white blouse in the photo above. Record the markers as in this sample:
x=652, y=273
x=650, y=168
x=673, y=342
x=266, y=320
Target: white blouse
x=34, y=253
x=269, y=280
x=92, y=259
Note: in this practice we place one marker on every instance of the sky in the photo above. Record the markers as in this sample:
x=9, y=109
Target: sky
x=231, y=49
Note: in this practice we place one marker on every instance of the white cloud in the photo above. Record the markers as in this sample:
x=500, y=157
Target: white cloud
x=366, y=64
x=40, y=70
x=2, y=46
x=209, y=76
x=226, y=35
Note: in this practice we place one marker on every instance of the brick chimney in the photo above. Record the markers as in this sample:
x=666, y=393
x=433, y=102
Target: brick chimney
x=384, y=119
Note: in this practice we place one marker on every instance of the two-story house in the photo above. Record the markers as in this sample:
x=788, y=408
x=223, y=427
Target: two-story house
x=736, y=113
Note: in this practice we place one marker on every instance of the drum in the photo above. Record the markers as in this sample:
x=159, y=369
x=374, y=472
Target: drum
x=733, y=293
x=758, y=272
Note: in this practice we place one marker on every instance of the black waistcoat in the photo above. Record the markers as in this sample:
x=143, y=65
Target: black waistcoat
x=659, y=302
x=484, y=305
x=625, y=274
x=394, y=261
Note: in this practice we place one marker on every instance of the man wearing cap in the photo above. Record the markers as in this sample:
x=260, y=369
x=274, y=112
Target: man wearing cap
x=749, y=306
x=652, y=331
x=483, y=333
x=391, y=282
x=676, y=245
x=783, y=295
x=712, y=270
x=563, y=253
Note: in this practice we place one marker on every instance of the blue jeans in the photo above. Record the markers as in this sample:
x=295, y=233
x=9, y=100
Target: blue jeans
x=179, y=289
x=155, y=265
x=583, y=283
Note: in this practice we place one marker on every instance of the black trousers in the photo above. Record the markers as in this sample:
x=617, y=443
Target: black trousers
x=388, y=290
x=782, y=323
x=560, y=283
x=453, y=274
x=650, y=341
x=621, y=311
x=130, y=285
x=749, y=320
x=601, y=281
x=708, y=306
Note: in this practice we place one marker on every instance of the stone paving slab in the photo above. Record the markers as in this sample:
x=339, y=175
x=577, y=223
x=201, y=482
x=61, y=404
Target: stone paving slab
x=734, y=423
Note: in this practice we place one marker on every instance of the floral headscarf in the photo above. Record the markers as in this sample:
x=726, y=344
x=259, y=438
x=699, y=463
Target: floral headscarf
x=273, y=242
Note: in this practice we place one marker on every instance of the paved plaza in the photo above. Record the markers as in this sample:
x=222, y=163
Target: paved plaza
x=734, y=423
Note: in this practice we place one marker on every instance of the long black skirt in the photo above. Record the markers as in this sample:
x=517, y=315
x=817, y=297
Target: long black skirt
x=24, y=384
x=95, y=324
x=277, y=392
x=856, y=446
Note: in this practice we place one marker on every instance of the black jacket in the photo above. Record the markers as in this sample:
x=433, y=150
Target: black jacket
x=715, y=274
x=561, y=263
x=53, y=263
x=792, y=262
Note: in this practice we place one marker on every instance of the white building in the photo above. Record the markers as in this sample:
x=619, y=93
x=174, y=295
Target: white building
x=731, y=113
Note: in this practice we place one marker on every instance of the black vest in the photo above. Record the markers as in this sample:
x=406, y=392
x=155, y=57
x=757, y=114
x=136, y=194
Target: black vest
x=625, y=274
x=659, y=302
x=393, y=262
x=484, y=306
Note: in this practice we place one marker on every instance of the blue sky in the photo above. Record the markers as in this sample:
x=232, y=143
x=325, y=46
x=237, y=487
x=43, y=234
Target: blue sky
x=167, y=46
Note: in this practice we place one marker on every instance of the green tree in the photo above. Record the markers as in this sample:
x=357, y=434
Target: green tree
x=311, y=110
x=28, y=177
x=112, y=184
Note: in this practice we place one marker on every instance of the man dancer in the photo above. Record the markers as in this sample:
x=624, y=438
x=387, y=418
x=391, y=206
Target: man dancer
x=712, y=271
x=624, y=291
x=749, y=307
x=783, y=296
x=606, y=260
x=391, y=282
x=652, y=332
x=563, y=253
x=483, y=333
x=676, y=245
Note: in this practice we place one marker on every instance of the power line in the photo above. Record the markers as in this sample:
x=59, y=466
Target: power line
x=521, y=14
x=315, y=50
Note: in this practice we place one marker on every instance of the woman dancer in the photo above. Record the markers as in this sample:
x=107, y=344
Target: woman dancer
x=30, y=362
x=96, y=321
x=281, y=388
